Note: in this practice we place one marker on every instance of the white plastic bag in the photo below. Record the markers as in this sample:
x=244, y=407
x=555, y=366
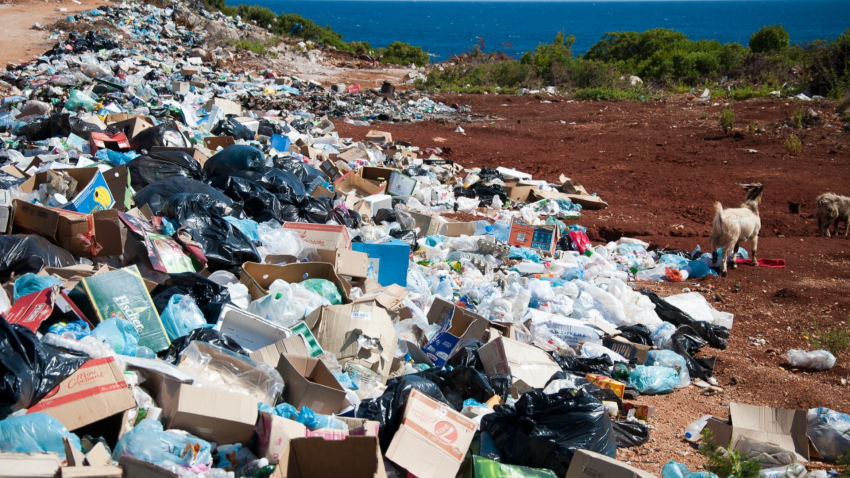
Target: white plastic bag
x=815, y=360
x=278, y=306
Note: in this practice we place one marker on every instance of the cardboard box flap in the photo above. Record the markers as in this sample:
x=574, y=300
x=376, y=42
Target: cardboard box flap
x=785, y=428
x=353, y=457
x=588, y=464
x=295, y=345
x=258, y=277
x=30, y=465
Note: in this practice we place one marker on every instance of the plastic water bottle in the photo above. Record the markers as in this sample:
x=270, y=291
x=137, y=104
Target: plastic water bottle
x=694, y=430
x=483, y=228
x=502, y=230
x=444, y=290
x=253, y=467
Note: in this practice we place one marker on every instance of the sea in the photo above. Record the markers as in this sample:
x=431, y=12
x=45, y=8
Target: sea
x=448, y=27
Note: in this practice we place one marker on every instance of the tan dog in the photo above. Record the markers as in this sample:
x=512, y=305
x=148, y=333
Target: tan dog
x=731, y=227
x=832, y=209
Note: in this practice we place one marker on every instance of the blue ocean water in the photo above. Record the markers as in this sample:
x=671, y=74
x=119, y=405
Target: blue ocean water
x=444, y=28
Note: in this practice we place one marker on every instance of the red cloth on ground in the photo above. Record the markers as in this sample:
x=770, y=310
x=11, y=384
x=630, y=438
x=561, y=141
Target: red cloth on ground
x=775, y=263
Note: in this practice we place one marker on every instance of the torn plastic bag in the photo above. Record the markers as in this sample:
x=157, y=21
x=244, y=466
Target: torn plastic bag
x=544, y=431
x=388, y=408
x=160, y=165
x=210, y=336
x=630, y=434
x=231, y=127
x=155, y=194
x=224, y=246
x=636, y=334
x=715, y=335
x=35, y=433
x=165, y=134
x=459, y=384
x=22, y=253
x=236, y=157
x=210, y=296
x=28, y=368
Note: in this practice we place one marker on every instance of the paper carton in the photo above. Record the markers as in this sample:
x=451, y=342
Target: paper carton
x=374, y=136
x=602, y=381
x=295, y=345
x=258, y=277
x=346, y=262
x=274, y=433
x=338, y=328
x=97, y=390
x=543, y=238
x=212, y=414
x=309, y=383
x=324, y=236
x=588, y=464
x=519, y=192
x=388, y=261
x=785, y=428
x=457, y=326
x=432, y=439
x=250, y=331
x=133, y=126
x=99, y=234
x=627, y=349
x=524, y=362
x=375, y=174
x=353, y=457
x=47, y=307
x=93, y=191
x=509, y=330
x=377, y=202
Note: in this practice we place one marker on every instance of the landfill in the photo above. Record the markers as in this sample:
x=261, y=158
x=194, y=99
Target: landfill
x=202, y=278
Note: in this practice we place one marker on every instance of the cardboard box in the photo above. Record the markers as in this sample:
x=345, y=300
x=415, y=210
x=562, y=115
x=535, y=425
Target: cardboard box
x=189, y=70
x=627, y=349
x=346, y=262
x=400, y=184
x=30, y=465
x=97, y=390
x=457, y=326
x=309, y=383
x=351, y=183
x=524, y=362
x=258, y=277
x=375, y=136
x=602, y=381
x=135, y=125
x=379, y=201
x=46, y=306
x=519, y=192
x=588, y=464
x=250, y=331
x=785, y=428
x=122, y=293
x=432, y=440
x=93, y=192
x=353, y=457
x=375, y=174
x=115, y=142
x=212, y=414
x=134, y=468
x=330, y=169
x=338, y=327
x=294, y=345
x=390, y=298
x=388, y=261
x=543, y=237
x=428, y=225
x=214, y=142
x=226, y=106
x=509, y=330
x=324, y=236
x=99, y=234
x=180, y=87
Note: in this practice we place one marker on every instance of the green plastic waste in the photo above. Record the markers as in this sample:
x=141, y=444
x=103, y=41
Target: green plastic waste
x=77, y=99
x=324, y=288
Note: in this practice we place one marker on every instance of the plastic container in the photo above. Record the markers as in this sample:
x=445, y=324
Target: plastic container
x=693, y=432
x=502, y=230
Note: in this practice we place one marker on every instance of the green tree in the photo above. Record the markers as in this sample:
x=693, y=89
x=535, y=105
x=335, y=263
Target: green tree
x=770, y=38
x=404, y=54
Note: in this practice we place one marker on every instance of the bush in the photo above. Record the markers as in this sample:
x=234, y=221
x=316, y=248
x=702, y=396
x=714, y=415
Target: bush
x=793, y=145
x=404, y=54
x=726, y=463
x=797, y=117
x=727, y=120
x=254, y=46
x=752, y=127
x=546, y=57
x=770, y=39
x=835, y=340
x=361, y=47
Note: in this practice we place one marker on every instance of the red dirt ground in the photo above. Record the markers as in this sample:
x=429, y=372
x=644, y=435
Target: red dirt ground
x=661, y=166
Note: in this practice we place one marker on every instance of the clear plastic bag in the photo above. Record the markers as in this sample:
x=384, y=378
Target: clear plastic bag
x=239, y=295
x=277, y=240
x=829, y=432
x=33, y=433
x=148, y=442
x=650, y=380
x=815, y=360
x=661, y=337
x=668, y=358
x=278, y=306
x=181, y=316
x=119, y=334
x=325, y=288
x=215, y=367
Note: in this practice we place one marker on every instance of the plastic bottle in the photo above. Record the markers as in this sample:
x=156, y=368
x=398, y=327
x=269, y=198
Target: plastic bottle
x=482, y=228
x=444, y=290
x=253, y=467
x=694, y=430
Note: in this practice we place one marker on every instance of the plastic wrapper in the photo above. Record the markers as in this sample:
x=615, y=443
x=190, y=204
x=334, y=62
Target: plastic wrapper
x=544, y=431
x=119, y=334
x=325, y=288
x=236, y=157
x=631, y=434
x=829, y=432
x=159, y=165
x=218, y=368
x=34, y=433
x=209, y=295
x=278, y=306
x=30, y=283
x=224, y=246
x=22, y=253
x=156, y=194
x=650, y=380
x=148, y=442
x=815, y=360
x=278, y=241
x=768, y=454
x=181, y=316
x=29, y=369
x=205, y=335
x=667, y=358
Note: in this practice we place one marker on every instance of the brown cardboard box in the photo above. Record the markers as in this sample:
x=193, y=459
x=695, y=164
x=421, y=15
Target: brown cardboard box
x=97, y=390
x=134, y=468
x=352, y=183
x=627, y=349
x=374, y=174
x=785, y=428
x=338, y=327
x=588, y=464
x=212, y=414
x=213, y=142
x=524, y=362
x=250, y=331
x=105, y=471
x=326, y=237
x=189, y=70
x=258, y=277
x=352, y=154
x=133, y=126
x=390, y=297
x=30, y=465
x=346, y=262
x=509, y=330
x=457, y=326
x=309, y=383
x=274, y=433
x=295, y=345
x=519, y=192
x=353, y=457
x=432, y=440
x=226, y=106
x=374, y=136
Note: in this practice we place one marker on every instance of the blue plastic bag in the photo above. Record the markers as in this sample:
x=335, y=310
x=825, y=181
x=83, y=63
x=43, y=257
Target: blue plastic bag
x=35, y=432
x=697, y=269
x=675, y=470
x=181, y=316
x=650, y=380
x=311, y=419
x=148, y=442
x=77, y=328
x=118, y=334
x=668, y=358
x=30, y=283
x=247, y=226
x=115, y=158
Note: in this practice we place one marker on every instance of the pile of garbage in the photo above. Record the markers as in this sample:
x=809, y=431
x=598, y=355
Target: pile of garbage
x=197, y=287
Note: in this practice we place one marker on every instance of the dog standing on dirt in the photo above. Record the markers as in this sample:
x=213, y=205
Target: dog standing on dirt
x=832, y=209
x=731, y=227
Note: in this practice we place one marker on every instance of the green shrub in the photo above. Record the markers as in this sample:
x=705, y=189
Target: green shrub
x=547, y=56
x=727, y=120
x=404, y=54
x=361, y=47
x=607, y=94
x=797, y=117
x=726, y=463
x=770, y=39
x=793, y=145
x=835, y=340
x=254, y=46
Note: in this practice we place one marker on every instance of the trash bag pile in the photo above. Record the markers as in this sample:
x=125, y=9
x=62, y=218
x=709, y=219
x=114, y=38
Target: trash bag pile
x=202, y=278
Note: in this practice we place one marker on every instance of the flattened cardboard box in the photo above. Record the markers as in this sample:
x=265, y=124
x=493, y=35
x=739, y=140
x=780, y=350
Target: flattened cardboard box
x=786, y=428
x=309, y=383
x=97, y=390
x=212, y=414
x=589, y=464
x=524, y=362
x=432, y=440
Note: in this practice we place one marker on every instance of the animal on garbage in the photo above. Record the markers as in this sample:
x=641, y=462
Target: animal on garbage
x=832, y=209
x=733, y=226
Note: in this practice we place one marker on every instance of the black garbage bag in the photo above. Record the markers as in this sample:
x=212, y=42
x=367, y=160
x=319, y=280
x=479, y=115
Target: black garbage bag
x=408, y=236
x=7, y=180
x=22, y=253
x=225, y=247
x=467, y=355
x=459, y=384
x=347, y=217
x=231, y=127
x=34, y=127
x=309, y=209
x=267, y=128
x=715, y=335
x=388, y=408
x=630, y=434
x=274, y=180
x=686, y=342
x=636, y=334
x=257, y=202
x=544, y=431
x=584, y=365
x=75, y=125
x=489, y=174
x=28, y=368
x=236, y=157
x=210, y=336
x=155, y=194
x=153, y=167
x=163, y=134
x=302, y=171
x=210, y=296
x=483, y=192
x=579, y=382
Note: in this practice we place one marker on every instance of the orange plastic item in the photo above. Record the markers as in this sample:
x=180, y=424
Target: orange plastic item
x=673, y=275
